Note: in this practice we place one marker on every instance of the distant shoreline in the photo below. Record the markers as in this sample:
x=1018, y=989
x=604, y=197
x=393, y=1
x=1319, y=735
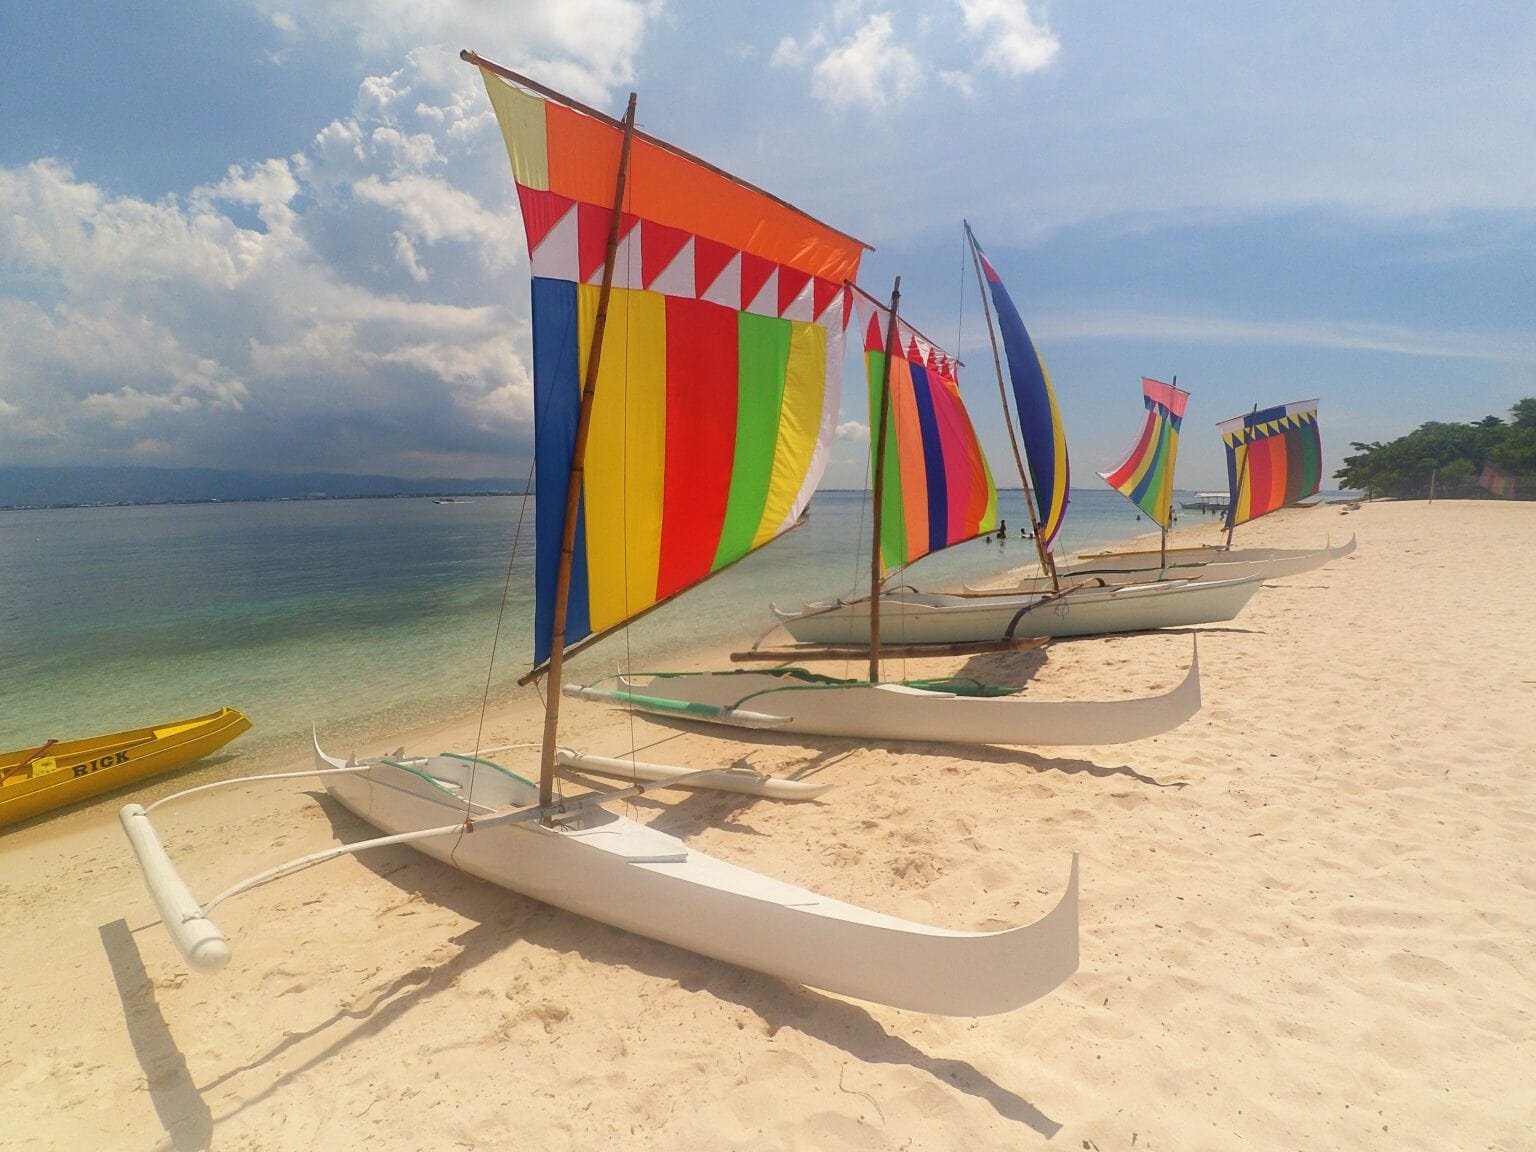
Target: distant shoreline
x=1327, y=496
x=191, y=500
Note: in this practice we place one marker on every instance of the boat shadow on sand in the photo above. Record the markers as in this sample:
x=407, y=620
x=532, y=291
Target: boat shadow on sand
x=827, y=751
x=498, y=917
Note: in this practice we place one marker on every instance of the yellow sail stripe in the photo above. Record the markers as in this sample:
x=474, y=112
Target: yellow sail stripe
x=521, y=118
x=626, y=454
x=799, y=425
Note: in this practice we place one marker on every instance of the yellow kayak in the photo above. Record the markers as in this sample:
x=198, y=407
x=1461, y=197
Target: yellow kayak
x=49, y=776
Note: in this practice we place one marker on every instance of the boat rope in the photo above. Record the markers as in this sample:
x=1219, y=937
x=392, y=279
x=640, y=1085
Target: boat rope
x=252, y=779
x=17, y=768
x=501, y=612
x=562, y=812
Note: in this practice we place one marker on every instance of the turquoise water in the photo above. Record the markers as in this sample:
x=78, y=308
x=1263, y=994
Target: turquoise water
x=368, y=617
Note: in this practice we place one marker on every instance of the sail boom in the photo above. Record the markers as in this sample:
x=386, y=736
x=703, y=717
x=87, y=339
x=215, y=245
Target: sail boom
x=538, y=671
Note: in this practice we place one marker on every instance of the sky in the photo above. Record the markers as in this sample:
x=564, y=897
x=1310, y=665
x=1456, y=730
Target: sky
x=282, y=234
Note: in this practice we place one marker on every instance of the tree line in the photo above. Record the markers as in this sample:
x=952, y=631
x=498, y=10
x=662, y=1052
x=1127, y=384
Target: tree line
x=1489, y=458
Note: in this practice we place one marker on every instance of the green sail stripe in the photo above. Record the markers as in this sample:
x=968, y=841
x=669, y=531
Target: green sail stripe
x=763, y=358
x=893, y=519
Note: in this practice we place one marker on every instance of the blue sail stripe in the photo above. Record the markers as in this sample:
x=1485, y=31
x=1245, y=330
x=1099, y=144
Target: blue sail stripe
x=557, y=400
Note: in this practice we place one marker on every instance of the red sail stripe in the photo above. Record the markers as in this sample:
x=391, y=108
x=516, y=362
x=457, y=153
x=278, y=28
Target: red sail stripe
x=701, y=439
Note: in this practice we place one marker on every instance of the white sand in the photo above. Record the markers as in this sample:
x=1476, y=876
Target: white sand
x=1307, y=920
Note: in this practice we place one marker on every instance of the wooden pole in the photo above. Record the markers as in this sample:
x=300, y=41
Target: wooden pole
x=876, y=568
x=577, y=476
x=1236, y=493
x=1162, y=556
x=1047, y=563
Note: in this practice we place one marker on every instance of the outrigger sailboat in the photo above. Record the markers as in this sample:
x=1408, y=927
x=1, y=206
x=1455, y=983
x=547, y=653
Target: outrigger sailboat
x=1145, y=477
x=1075, y=608
x=1274, y=460
x=677, y=314
x=932, y=490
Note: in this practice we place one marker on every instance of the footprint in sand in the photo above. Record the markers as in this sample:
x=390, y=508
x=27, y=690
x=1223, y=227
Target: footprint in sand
x=1416, y=969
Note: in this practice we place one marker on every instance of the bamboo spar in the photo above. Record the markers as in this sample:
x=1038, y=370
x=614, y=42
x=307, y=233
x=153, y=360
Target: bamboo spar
x=561, y=98
x=1047, y=564
x=876, y=569
x=1237, y=492
x=578, y=474
x=1162, y=548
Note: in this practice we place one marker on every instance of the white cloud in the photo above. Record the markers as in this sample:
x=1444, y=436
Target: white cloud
x=870, y=69
x=790, y=52
x=405, y=256
x=1016, y=44
x=432, y=210
x=281, y=299
x=853, y=430
x=584, y=47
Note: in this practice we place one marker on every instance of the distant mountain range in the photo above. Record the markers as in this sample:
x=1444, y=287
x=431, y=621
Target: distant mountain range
x=22, y=487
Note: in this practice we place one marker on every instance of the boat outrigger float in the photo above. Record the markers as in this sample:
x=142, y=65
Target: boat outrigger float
x=578, y=856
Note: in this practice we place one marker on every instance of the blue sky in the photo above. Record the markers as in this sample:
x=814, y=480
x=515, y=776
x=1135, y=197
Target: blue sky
x=283, y=235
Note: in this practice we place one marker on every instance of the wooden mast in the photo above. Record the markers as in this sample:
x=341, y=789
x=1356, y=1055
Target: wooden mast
x=876, y=569
x=1162, y=552
x=577, y=475
x=1047, y=562
x=1242, y=475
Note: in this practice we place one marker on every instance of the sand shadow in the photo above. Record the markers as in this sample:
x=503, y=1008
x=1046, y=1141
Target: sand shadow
x=177, y=1100
x=832, y=749
x=495, y=911
x=1181, y=630
x=500, y=916
x=1034, y=761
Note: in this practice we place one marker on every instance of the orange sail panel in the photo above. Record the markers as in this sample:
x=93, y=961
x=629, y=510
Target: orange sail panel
x=937, y=490
x=721, y=369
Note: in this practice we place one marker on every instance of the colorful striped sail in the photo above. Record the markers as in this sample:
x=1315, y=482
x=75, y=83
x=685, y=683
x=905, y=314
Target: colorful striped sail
x=719, y=380
x=1145, y=476
x=1274, y=458
x=1045, y=441
x=937, y=490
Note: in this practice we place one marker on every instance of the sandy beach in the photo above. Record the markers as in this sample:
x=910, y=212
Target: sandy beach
x=1307, y=918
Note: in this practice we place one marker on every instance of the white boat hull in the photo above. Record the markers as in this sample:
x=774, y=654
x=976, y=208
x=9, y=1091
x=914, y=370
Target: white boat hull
x=1305, y=558
x=813, y=706
x=623, y=873
x=1183, y=564
x=910, y=617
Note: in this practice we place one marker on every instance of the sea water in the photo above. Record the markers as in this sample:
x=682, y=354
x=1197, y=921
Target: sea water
x=370, y=617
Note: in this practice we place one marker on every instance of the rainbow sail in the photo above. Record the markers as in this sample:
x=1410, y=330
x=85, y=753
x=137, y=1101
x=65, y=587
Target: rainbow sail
x=1045, y=441
x=1274, y=458
x=1145, y=476
x=937, y=490
x=721, y=368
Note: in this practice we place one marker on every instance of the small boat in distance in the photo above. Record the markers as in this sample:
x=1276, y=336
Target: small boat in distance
x=450, y=500
x=40, y=779
x=1207, y=502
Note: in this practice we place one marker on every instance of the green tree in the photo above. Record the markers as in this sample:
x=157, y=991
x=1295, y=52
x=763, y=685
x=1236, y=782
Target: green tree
x=1450, y=455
